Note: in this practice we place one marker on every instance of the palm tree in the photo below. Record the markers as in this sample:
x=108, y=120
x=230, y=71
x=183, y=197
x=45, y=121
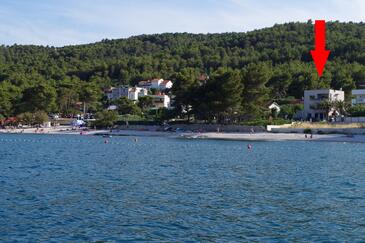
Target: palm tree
x=326, y=106
x=341, y=107
x=337, y=107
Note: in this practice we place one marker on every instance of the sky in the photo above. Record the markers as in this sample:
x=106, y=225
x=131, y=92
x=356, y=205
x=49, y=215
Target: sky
x=70, y=22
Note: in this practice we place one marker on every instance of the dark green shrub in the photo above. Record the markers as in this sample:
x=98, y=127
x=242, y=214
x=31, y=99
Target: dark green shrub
x=307, y=131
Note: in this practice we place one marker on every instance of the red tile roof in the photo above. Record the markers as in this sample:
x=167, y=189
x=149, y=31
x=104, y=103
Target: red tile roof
x=166, y=81
x=203, y=77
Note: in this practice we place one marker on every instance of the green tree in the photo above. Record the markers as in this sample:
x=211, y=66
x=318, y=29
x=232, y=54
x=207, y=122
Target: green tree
x=38, y=97
x=5, y=103
x=341, y=107
x=127, y=106
x=326, y=106
x=40, y=117
x=287, y=111
x=153, y=91
x=342, y=79
x=89, y=94
x=255, y=93
x=106, y=119
x=145, y=102
x=224, y=93
x=279, y=83
x=185, y=86
x=67, y=95
x=26, y=118
x=356, y=110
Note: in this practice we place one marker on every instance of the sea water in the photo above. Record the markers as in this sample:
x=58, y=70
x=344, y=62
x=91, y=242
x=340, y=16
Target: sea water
x=79, y=188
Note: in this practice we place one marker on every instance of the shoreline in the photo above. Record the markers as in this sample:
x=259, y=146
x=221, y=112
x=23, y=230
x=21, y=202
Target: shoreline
x=267, y=137
x=256, y=137
x=264, y=137
x=62, y=130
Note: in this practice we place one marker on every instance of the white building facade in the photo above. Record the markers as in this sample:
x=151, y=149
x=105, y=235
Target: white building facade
x=275, y=106
x=136, y=92
x=358, y=97
x=124, y=91
x=161, y=101
x=158, y=84
x=313, y=100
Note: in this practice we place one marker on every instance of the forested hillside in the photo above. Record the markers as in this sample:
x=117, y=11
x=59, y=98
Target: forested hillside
x=53, y=79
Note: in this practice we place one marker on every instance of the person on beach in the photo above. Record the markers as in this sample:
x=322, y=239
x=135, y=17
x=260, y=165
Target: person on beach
x=305, y=136
x=311, y=136
x=252, y=130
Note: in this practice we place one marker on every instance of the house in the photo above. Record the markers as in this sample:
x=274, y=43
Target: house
x=116, y=92
x=145, y=84
x=158, y=84
x=112, y=108
x=358, y=97
x=108, y=92
x=274, y=106
x=166, y=84
x=155, y=83
x=313, y=100
x=124, y=91
x=8, y=121
x=203, y=78
x=136, y=92
x=160, y=101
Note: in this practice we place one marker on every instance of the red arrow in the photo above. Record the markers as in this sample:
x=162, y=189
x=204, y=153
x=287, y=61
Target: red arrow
x=320, y=55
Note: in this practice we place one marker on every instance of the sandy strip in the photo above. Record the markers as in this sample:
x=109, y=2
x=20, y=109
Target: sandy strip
x=277, y=137
x=211, y=135
x=62, y=130
x=67, y=130
x=138, y=133
x=243, y=136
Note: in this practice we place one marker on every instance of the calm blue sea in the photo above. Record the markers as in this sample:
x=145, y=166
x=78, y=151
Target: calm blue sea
x=77, y=188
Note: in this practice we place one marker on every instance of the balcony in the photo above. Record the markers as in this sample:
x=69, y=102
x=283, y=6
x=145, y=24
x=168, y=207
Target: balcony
x=316, y=107
x=320, y=97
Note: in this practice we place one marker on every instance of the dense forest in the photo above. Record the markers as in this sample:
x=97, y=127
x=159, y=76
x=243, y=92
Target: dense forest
x=258, y=67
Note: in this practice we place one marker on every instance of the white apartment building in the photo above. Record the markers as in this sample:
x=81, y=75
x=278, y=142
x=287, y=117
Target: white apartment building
x=313, y=99
x=158, y=84
x=161, y=101
x=358, y=97
x=132, y=93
